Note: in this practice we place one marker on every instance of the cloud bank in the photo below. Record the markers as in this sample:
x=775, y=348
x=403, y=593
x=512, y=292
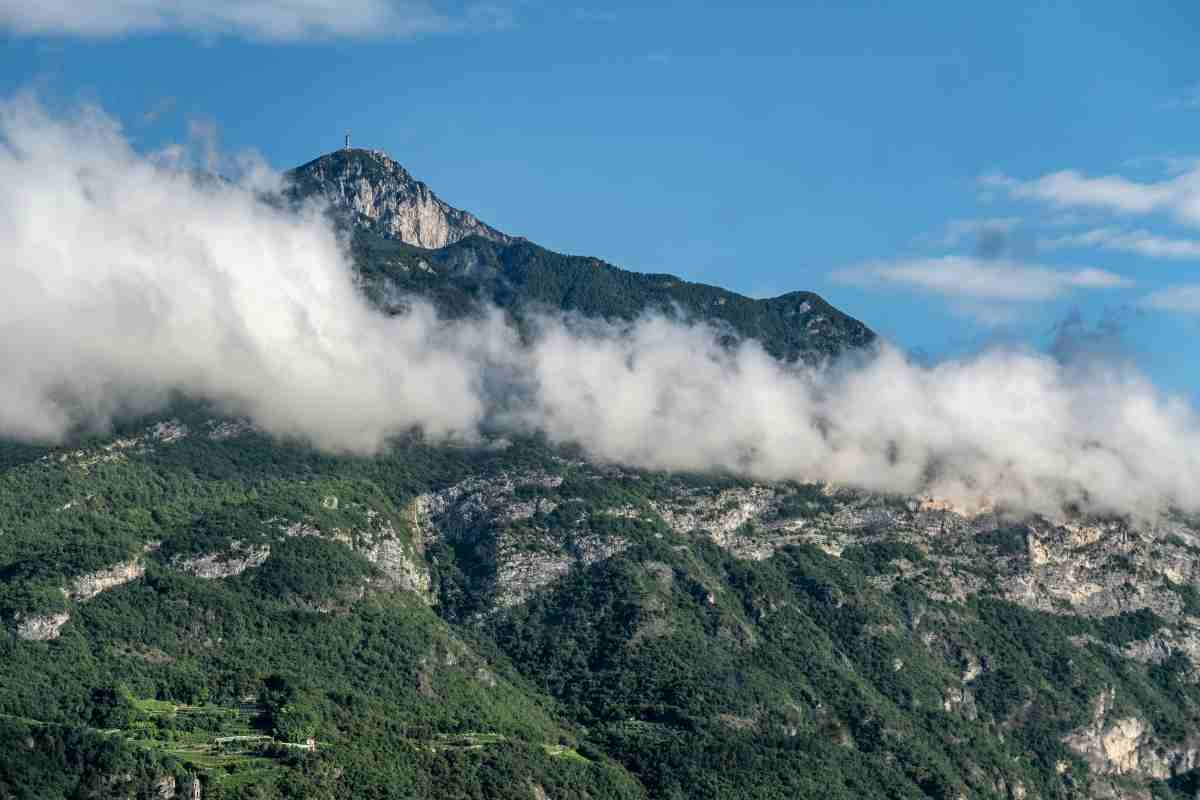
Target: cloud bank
x=275, y=20
x=1015, y=428
x=127, y=280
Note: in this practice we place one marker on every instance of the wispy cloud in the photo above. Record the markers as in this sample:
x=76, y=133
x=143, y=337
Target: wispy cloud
x=969, y=278
x=1080, y=199
x=1178, y=196
x=275, y=20
x=1178, y=299
x=1141, y=242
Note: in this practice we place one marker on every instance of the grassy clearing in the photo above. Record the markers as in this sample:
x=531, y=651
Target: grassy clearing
x=568, y=753
x=477, y=741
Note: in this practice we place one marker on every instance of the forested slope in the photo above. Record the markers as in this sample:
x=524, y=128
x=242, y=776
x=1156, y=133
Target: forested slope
x=511, y=621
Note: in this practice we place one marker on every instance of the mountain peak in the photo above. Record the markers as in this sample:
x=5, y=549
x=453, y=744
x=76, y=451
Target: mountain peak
x=369, y=160
x=381, y=196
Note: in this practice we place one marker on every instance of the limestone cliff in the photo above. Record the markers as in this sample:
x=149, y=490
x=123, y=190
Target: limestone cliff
x=381, y=196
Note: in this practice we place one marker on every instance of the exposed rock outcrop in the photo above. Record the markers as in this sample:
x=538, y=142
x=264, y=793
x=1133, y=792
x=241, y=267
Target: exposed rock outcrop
x=221, y=430
x=166, y=432
x=85, y=587
x=41, y=627
x=398, y=560
x=235, y=561
x=383, y=197
x=44, y=627
x=378, y=541
x=1126, y=746
x=726, y=516
x=507, y=516
x=165, y=787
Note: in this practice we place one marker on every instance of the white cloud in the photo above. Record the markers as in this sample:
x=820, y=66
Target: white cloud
x=1010, y=427
x=279, y=20
x=1178, y=299
x=970, y=278
x=1141, y=242
x=125, y=280
x=1178, y=196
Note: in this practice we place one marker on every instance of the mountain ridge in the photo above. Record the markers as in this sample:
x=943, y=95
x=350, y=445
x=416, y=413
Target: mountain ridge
x=406, y=241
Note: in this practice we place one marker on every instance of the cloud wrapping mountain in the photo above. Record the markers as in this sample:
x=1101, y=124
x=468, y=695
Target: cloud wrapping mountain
x=127, y=280
x=1010, y=428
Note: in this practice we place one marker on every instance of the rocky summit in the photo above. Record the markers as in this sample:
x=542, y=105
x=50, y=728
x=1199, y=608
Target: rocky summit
x=381, y=196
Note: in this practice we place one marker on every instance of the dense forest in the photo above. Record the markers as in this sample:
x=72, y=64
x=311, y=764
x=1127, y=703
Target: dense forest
x=524, y=278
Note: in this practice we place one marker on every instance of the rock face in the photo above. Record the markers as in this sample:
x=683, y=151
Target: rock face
x=85, y=587
x=237, y=560
x=725, y=516
x=42, y=627
x=1111, y=746
x=1125, y=746
x=528, y=540
x=401, y=562
x=165, y=787
x=381, y=196
x=529, y=533
x=375, y=538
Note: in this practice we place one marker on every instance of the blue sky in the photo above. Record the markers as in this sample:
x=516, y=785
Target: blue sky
x=961, y=176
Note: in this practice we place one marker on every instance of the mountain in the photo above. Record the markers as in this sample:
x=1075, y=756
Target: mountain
x=406, y=240
x=525, y=278
x=380, y=196
x=512, y=621
x=189, y=607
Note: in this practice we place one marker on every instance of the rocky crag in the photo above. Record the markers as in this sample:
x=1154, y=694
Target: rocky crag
x=381, y=196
